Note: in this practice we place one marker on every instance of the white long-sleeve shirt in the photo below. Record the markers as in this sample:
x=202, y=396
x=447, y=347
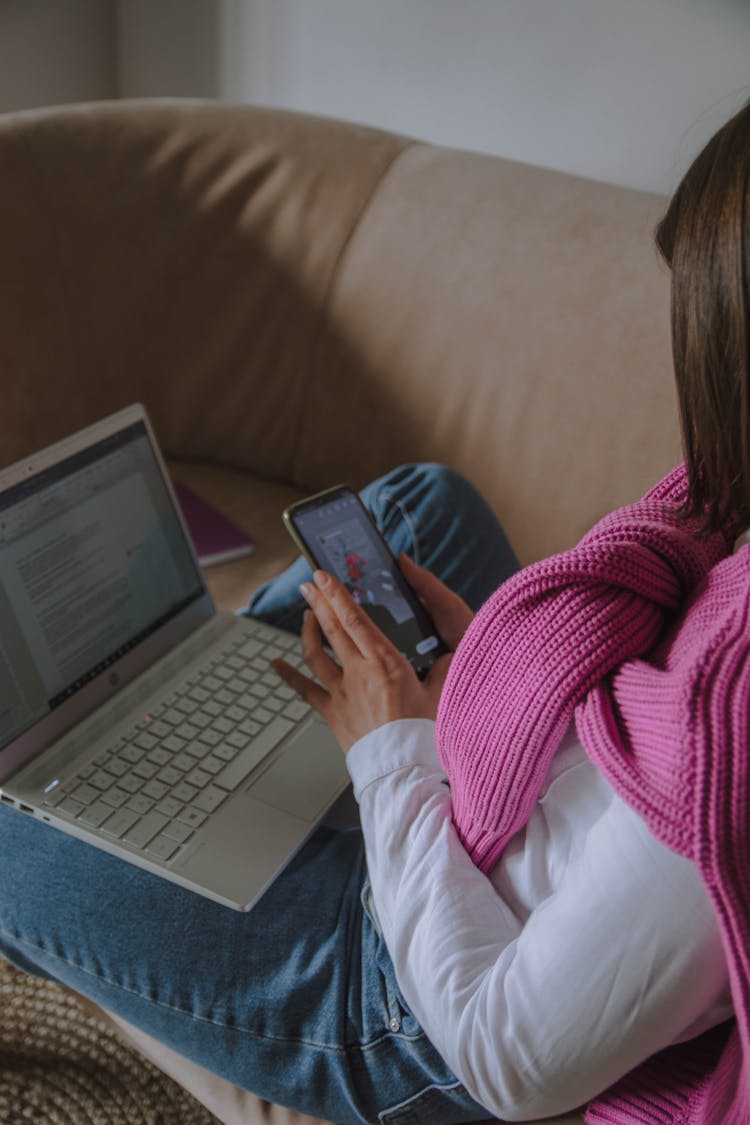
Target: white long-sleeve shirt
x=588, y=948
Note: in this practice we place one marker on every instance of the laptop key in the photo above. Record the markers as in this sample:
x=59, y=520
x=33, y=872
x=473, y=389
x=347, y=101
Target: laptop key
x=96, y=814
x=115, y=766
x=151, y=825
x=238, y=740
x=297, y=709
x=100, y=780
x=224, y=753
x=198, y=777
x=140, y=804
x=86, y=794
x=200, y=720
x=209, y=799
x=210, y=737
x=213, y=764
x=162, y=847
x=131, y=754
x=130, y=784
x=196, y=750
x=193, y=817
x=161, y=756
x=71, y=806
x=173, y=744
x=145, y=769
x=155, y=789
x=160, y=728
x=115, y=798
x=119, y=823
x=184, y=792
x=182, y=762
x=236, y=772
x=171, y=717
x=169, y=807
x=170, y=776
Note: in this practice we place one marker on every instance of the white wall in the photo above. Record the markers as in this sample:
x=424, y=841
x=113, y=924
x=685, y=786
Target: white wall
x=171, y=48
x=624, y=91
x=621, y=90
x=54, y=51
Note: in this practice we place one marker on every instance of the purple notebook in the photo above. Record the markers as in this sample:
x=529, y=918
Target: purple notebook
x=216, y=538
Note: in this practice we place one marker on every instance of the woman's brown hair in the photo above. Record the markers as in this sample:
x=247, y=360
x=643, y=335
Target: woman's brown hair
x=705, y=239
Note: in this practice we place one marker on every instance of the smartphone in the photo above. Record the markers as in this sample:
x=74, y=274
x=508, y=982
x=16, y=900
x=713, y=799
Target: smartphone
x=336, y=533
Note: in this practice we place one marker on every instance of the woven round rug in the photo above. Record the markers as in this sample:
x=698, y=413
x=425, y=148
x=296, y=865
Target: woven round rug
x=60, y=1064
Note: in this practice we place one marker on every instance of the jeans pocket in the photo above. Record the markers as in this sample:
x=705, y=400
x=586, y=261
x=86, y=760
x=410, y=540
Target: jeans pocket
x=397, y=1015
x=438, y=1105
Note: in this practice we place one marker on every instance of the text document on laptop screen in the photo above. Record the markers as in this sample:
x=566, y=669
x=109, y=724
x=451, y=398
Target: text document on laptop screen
x=93, y=559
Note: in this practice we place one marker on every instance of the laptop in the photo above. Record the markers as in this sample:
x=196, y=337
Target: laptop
x=133, y=715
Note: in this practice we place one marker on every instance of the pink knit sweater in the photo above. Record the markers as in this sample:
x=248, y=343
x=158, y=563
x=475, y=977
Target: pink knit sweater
x=642, y=634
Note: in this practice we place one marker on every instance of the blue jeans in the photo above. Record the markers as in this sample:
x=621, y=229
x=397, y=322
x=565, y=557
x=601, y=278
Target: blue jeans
x=297, y=999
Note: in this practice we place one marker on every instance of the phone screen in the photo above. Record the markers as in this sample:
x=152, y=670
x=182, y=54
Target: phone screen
x=339, y=536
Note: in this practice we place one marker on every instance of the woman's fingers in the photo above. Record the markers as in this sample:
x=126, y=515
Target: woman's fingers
x=322, y=666
x=349, y=630
x=324, y=669
x=336, y=634
x=307, y=689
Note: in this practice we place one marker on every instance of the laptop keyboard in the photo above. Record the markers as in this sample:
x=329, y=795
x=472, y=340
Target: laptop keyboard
x=158, y=783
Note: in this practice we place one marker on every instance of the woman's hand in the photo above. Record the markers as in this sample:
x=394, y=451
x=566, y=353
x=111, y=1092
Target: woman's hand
x=372, y=683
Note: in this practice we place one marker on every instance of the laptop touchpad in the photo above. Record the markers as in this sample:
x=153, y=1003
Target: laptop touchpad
x=308, y=776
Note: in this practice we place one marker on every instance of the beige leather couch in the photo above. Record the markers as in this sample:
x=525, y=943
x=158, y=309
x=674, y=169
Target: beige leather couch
x=299, y=301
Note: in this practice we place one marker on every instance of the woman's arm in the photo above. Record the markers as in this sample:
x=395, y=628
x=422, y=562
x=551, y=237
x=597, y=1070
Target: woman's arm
x=535, y=1016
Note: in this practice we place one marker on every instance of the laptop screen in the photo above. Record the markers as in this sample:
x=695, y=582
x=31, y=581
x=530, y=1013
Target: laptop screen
x=93, y=560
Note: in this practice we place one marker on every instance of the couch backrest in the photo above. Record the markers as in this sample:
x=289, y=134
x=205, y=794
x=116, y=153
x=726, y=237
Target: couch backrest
x=513, y=322
x=315, y=301
x=175, y=253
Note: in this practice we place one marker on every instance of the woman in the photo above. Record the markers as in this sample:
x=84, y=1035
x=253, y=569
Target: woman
x=573, y=909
